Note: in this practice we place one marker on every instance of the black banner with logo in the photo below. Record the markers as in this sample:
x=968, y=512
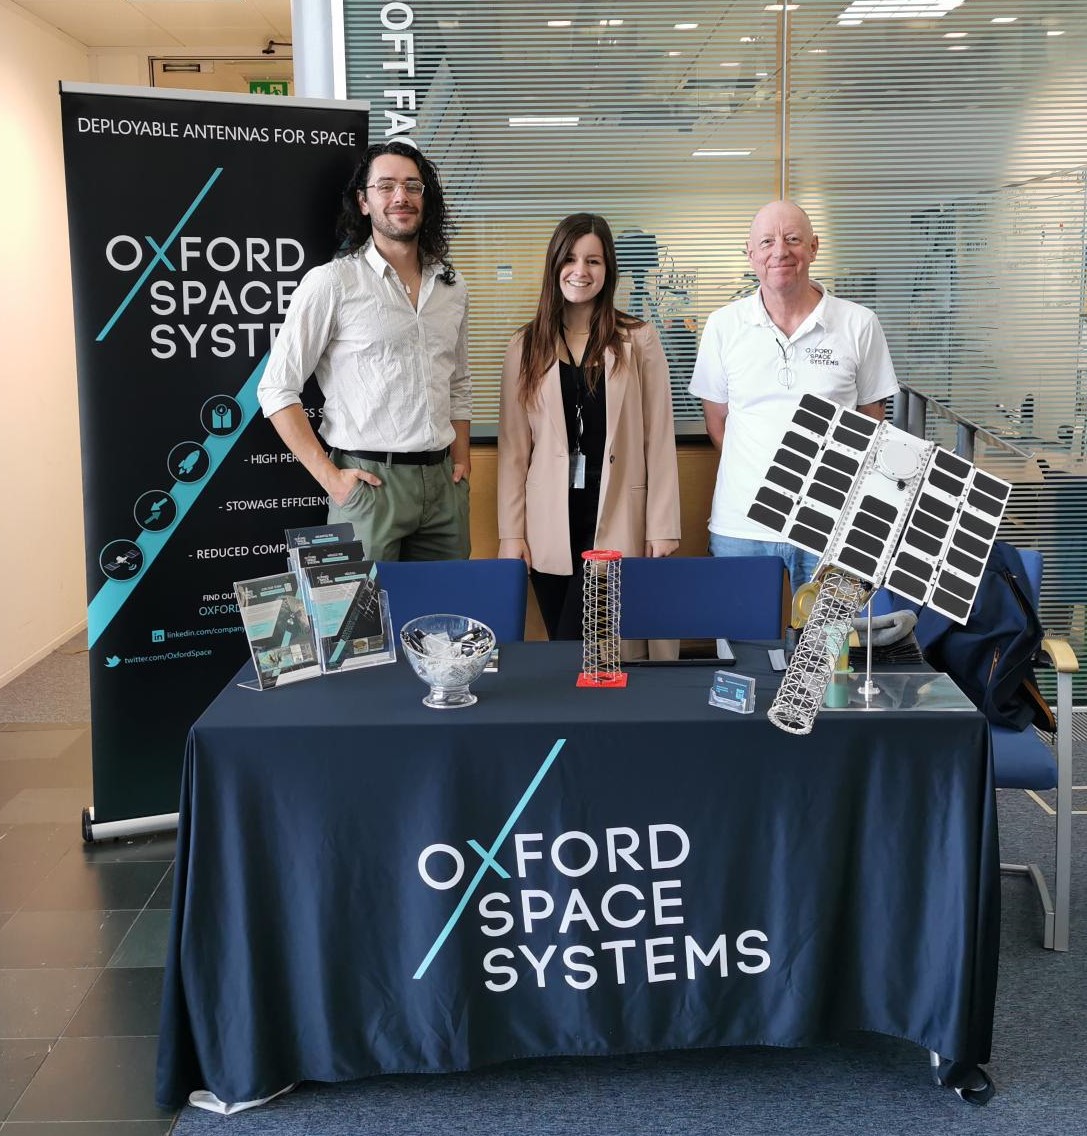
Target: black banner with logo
x=191, y=218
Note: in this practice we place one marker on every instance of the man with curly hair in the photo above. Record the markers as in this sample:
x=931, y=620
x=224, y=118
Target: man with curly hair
x=384, y=328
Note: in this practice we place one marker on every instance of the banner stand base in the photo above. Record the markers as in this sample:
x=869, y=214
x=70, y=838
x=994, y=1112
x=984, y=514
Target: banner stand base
x=133, y=826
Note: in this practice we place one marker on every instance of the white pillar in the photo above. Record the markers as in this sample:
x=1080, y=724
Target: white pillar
x=312, y=38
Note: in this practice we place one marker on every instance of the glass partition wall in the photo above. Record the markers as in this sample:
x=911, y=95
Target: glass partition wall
x=940, y=147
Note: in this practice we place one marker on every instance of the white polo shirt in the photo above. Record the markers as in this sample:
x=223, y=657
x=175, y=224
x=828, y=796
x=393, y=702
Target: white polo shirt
x=839, y=352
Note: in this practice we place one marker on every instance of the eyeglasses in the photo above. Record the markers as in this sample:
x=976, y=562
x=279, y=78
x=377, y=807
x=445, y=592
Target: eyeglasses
x=786, y=375
x=386, y=187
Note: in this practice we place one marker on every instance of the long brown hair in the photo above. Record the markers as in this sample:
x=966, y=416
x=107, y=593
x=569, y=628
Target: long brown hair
x=608, y=328
x=354, y=227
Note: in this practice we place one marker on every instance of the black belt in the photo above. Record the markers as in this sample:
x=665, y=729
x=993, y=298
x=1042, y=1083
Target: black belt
x=419, y=457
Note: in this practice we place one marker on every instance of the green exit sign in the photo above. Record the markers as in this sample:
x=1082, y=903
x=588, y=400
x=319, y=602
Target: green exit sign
x=268, y=86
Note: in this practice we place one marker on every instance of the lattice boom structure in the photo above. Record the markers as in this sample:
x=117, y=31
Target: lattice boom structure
x=600, y=619
x=826, y=632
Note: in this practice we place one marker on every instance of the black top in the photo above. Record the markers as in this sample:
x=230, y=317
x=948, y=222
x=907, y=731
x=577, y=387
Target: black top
x=594, y=423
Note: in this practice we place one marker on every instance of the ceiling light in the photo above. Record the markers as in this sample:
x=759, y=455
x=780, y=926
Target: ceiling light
x=955, y=35
x=673, y=54
x=1003, y=19
x=1055, y=33
x=781, y=7
x=730, y=65
x=817, y=51
x=959, y=47
x=899, y=9
x=611, y=23
x=762, y=74
x=559, y=23
x=685, y=27
x=720, y=153
x=545, y=120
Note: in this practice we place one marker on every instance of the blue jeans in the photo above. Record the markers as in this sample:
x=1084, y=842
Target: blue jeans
x=799, y=564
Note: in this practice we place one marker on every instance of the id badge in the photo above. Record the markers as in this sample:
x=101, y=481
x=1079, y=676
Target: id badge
x=577, y=470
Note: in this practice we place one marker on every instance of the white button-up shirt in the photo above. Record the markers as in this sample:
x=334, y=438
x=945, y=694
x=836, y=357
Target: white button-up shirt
x=394, y=377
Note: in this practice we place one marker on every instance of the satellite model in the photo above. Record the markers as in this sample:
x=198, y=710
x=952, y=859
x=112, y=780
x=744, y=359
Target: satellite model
x=881, y=508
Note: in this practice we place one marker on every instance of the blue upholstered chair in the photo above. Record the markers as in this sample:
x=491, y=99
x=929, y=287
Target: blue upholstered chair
x=702, y=597
x=1036, y=761
x=1032, y=760
x=492, y=591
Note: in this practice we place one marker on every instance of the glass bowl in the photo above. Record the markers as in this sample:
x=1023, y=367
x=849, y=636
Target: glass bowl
x=448, y=652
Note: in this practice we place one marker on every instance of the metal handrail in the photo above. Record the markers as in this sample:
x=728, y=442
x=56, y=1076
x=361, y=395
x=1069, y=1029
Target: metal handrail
x=911, y=408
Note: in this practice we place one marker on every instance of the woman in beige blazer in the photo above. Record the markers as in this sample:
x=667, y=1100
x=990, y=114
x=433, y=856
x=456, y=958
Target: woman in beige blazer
x=586, y=441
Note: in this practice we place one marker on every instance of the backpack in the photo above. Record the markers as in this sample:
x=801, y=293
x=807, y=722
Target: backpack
x=991, y=657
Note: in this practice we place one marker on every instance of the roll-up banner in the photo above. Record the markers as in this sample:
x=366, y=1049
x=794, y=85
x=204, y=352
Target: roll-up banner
x=192, y=218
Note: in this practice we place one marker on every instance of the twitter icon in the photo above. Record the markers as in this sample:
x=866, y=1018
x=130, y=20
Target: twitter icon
x=113, y=660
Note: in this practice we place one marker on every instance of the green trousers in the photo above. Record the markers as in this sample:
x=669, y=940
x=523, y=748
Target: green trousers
x=416, y=513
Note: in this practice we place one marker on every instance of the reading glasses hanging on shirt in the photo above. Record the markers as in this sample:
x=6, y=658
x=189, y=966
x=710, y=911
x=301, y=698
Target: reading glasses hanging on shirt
x=786, y=376
x=881, y=508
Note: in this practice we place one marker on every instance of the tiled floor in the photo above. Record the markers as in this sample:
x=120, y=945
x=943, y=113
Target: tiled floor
x=82, y=941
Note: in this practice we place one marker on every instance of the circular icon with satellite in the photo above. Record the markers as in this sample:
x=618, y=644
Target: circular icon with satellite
x=121, y=560
x=155, y=510
x=188, y=461
x=221, y=415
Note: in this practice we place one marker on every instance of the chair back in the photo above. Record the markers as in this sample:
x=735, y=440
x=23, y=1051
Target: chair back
x=1032, y=566
x=696, y=597
x=492, y=591
x=1021, y=760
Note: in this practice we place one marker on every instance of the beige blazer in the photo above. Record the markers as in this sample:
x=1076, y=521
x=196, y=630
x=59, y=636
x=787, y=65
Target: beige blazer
x=639, y=488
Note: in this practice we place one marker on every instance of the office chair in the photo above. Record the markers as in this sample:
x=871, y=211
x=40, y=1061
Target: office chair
x=1028, y=761
x=1033, y=760
x=492, y=591
x=702, y=597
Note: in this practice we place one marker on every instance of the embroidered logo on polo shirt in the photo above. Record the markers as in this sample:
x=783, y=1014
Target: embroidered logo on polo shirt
x=821, y=356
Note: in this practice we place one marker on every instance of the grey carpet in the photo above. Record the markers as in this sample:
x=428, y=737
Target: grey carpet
x=866, y=1086
x=58, y=689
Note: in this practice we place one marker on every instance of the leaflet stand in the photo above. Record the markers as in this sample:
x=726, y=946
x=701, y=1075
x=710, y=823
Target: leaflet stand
x=376, y=658
x=387, y=654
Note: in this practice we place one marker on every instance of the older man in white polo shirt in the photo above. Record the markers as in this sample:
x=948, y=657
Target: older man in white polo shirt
x=758, y=357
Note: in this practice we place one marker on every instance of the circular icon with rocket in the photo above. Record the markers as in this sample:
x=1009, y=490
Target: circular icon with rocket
x=188, y=461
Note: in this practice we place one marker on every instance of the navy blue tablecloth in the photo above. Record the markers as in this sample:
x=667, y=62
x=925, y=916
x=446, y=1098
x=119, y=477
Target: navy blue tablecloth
x=364, y=885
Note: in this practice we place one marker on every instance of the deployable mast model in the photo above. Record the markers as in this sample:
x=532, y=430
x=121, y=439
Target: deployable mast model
x=881, y=508
x=600, y=619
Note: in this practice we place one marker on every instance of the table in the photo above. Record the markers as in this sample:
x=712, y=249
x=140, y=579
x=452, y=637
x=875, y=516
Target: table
x=367, y=886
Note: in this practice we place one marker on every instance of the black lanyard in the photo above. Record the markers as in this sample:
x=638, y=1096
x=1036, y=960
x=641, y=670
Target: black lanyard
x=580, y=390
x=577, y=458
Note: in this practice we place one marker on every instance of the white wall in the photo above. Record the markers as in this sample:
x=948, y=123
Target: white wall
x=41, y=510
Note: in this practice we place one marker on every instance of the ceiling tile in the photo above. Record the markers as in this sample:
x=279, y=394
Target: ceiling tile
x=101, y=23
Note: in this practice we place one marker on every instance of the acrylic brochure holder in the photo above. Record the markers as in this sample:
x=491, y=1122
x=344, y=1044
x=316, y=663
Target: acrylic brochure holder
x=385, y=654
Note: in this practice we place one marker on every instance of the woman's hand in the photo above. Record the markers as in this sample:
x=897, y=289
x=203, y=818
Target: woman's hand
x=658, y=547
x=513, y=548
